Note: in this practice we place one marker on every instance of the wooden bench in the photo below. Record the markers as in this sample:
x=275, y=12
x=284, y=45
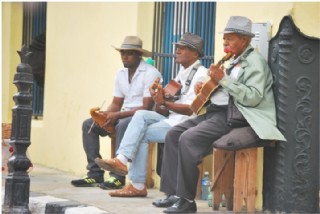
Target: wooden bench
x=222, y=182
x=235, y=177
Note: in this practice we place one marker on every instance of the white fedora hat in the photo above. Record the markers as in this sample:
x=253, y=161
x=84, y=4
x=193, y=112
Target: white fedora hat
x=239, y=24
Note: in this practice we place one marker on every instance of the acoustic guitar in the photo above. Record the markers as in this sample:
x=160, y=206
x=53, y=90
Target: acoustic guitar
x=208, y=88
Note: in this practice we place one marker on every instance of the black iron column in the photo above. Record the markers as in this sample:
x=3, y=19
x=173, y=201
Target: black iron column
x=291, y=169
x=17, y=184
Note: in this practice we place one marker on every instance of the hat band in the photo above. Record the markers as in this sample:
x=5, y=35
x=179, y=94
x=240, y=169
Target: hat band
x=188, y=44
x=238, y=31
x=130, y=46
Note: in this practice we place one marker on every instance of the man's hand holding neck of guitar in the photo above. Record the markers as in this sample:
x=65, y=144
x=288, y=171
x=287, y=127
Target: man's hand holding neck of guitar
x=216, y=72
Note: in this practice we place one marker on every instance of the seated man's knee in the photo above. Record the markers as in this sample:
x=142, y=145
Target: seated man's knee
x=172, y=134
x=139, y=114
x=187, y=137
x=87, y=124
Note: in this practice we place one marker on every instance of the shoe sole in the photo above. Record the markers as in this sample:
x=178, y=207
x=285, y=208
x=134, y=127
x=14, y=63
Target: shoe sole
x=128, y=196
x=107, y=167
x=160, y=202
x=163, y=205
x=87, y=185
x=110, y=188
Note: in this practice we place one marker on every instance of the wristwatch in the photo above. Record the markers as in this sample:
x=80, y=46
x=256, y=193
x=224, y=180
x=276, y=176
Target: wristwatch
x=163, y=105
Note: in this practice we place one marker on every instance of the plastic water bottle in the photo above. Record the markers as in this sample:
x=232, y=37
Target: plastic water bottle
x=205, y=186
x=210, y=196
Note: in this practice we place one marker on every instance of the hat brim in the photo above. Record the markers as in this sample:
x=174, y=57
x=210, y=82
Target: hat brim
x=239, y=32
x=144, y=52
x=189, y=46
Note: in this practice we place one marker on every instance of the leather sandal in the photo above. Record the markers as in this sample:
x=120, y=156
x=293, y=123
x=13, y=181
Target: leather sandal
x=129, y=191
x=112, y=165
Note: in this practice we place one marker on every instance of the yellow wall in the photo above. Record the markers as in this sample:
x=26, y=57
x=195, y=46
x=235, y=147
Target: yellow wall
x=80, y=69
x=81, y=64
x=11, y=43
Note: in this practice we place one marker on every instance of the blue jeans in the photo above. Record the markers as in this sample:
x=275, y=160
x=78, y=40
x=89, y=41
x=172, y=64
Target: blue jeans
x=144, y=127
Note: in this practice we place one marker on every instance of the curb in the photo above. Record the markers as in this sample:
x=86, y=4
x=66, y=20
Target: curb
x=44, y=204
x=49, y=205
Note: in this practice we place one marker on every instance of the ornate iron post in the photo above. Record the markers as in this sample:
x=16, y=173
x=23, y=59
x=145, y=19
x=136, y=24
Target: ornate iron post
x=17, y=185
x=291, y=169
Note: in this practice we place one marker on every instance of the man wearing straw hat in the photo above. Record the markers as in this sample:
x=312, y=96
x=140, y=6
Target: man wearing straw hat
x=131, y=93
x=248, y=82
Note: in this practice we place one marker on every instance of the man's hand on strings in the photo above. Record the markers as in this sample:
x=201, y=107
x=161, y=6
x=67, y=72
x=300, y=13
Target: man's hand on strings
x=158, y=96
x=197, y=87
x=154, y=87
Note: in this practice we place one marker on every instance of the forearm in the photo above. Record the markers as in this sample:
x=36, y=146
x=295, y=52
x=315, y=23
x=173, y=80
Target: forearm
x=178, y=108
x=124, y=114
x=129, y=113
x=113, y=108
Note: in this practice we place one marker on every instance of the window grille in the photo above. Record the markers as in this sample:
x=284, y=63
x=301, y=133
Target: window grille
x=171, y=21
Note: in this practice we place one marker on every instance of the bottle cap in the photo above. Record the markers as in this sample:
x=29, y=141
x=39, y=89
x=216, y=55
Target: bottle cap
x=206, y=173
x=150, y=61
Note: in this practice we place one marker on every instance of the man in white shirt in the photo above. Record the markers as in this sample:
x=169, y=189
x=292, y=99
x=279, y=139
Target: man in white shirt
x=131, y=93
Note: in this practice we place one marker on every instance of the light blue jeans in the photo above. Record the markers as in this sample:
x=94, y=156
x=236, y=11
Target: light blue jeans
x=144, y=127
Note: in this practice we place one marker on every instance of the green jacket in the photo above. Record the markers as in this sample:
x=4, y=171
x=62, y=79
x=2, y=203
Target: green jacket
x=253, y=95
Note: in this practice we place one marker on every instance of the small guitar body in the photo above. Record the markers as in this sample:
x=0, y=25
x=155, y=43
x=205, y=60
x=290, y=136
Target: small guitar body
x=170, y=90
x=203, y=97
x=100, y=119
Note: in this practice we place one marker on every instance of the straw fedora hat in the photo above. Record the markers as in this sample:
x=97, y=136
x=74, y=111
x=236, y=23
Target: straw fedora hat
x=133, y=43
x=239, y=24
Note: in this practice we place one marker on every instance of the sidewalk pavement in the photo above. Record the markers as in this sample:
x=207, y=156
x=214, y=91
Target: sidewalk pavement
x=51, y=192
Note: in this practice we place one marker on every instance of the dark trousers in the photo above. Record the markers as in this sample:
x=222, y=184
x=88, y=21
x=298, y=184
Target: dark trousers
x=185, y=146
x=91, y=145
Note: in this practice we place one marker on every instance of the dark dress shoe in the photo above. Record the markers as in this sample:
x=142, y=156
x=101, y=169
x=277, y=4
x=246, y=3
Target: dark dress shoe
x=167, y=202
x=182, y=206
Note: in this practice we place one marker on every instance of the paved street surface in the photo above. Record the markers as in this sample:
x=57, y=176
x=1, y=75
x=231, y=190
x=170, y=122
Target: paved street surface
x=51, y=182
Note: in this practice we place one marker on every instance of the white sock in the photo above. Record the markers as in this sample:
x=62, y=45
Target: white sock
x=138, y=186
x=122, y=159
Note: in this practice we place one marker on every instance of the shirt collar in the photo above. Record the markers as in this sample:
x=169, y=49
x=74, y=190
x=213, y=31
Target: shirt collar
x=191, y=66
x=244, y=55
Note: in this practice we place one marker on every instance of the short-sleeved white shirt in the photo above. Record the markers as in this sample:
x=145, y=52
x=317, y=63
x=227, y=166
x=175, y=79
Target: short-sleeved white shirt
x=134, y=92
x=187, y=98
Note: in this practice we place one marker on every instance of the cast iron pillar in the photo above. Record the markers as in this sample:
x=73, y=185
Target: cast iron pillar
x=291, y=169
x=17, y=183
